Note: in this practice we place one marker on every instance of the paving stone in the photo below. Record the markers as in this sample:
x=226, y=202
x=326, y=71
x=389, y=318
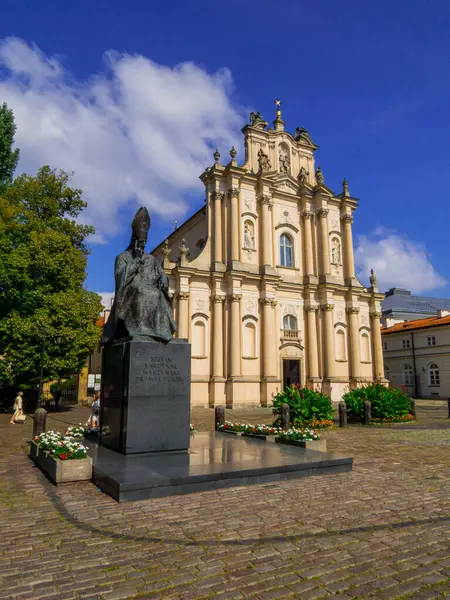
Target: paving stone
x=380, y=531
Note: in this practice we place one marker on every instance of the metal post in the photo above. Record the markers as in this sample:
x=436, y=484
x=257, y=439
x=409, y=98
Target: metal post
x=342, y=414
x=285, y=416
x=219, y=417
x=367, y=412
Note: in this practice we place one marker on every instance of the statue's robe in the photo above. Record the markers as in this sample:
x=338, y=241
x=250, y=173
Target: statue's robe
x=141, y=307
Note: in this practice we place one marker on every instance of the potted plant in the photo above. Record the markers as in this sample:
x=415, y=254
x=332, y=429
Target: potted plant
x=305, y=438
x=64, y=459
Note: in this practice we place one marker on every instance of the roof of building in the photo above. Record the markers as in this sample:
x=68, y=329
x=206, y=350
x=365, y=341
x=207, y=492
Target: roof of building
x=417, y=324
x=402, y=301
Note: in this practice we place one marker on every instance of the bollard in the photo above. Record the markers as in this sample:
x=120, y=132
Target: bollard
x=219, y=417
x=342, y=414
x=367, y=412
x=413, y=408
x=285, y=416
x=40, y=421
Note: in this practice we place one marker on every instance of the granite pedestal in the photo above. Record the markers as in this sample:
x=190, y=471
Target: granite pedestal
x=145, y=405
x=214, y=460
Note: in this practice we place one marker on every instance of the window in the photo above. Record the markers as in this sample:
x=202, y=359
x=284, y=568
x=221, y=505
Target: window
x=431, y=340
x=290, y=322
x=249, y=345
x=384, y=345
x=286, y=255
x=433, y=374
x=199, y=339
x=408, y=376
x=405, y=343
x=365, y=348
x=340, y=345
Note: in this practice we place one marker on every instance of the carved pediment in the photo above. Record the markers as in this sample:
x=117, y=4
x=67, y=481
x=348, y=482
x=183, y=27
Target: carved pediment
x=286, y=183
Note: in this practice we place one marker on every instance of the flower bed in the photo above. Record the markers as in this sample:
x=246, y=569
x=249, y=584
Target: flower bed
x=400, y=419
x=388, y=403
x=76, y=431
x=305, y=438
x=314, y=424
x=62, y=458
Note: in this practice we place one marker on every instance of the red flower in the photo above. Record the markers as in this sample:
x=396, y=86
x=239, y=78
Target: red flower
x=63, y=456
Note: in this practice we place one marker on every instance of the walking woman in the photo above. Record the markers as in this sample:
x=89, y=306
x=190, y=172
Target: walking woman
x=18, y=416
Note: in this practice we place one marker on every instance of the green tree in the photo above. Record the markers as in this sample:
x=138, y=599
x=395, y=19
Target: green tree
x=8, y=157
x=43, y=258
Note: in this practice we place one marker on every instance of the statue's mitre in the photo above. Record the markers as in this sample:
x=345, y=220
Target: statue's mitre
x=141, y=224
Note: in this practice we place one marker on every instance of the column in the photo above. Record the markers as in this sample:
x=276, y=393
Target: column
x=377, y=346
x=235, y=349
x=325, y=254
x=329, y=340
x=218, y=336
x=268, y=338
x=266, y=234
x=308, y=249
x=354, y=350
x=235, y=237
x=183, y=315
x=218, y=196
x=349, y=262
x=313, y=357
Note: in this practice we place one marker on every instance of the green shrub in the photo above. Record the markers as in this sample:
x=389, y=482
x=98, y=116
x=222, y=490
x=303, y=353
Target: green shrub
x=306, y=406
x=387, y=402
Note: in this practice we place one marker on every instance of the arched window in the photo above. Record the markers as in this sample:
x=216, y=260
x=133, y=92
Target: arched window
x=341, y=353
x=199, y=339
x=249, y=345
x=433, y=374
x=408, y=375
x=290, y=322
x=286, y=251
x=365, y=347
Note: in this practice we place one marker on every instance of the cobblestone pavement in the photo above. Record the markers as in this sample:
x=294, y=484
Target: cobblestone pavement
x=381, y=531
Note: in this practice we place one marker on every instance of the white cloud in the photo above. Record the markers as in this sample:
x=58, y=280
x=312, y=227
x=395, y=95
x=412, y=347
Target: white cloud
x=397, y=262
x=107, y=299
x=139, y=130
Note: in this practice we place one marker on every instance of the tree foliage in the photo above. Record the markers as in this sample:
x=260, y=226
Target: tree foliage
x=8, y=157
x=42, y=271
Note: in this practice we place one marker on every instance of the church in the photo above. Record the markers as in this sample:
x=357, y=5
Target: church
x=263, y=277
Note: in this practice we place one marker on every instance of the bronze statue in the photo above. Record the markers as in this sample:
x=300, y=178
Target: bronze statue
x=142, y=308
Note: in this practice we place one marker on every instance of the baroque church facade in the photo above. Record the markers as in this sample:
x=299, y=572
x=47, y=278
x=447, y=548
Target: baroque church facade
x=263, y=277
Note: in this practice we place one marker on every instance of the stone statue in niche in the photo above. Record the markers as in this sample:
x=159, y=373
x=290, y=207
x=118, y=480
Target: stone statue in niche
x=249, y=240
x=142, y=307
x=336, y=252
x=263, y=161
x=303, y=176
x=285, y=163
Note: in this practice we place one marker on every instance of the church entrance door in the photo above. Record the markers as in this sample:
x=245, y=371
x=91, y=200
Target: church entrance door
x=291, y=372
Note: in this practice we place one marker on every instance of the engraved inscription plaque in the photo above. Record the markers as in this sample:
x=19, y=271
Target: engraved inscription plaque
x=152, y=396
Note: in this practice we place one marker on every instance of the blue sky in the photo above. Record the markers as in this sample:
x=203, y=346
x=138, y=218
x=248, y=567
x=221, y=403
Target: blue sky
x=117, y=90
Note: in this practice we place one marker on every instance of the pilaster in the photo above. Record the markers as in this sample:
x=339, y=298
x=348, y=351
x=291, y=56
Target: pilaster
x=183, y=315
x=218, y=242
x=378, y=363
x=325, y=253
x=308, y=216
x=313, y=356
x=354, y=350
x=349, y=261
